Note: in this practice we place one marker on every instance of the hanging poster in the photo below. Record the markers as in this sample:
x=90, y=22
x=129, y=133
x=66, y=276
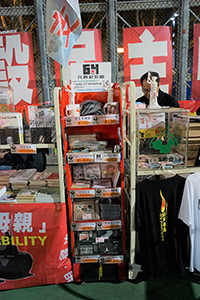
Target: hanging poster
x=17, y=67
x=88, y=48
x=196, y=64
x=148, y=49
x=33, y=245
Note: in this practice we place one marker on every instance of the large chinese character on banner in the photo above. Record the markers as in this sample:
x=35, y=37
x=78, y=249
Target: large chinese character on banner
x=33, y=245
x=196, y=64
x=17, y=67
x=88, y=48
x=148, y=49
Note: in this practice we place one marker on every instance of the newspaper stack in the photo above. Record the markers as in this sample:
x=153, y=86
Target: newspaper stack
x=20, y=178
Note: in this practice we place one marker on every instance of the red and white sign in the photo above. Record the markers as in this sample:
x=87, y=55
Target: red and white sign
x=63, y=28
x=88, y=48
x=196, y=64
x=148, y=49
x=17, y=66
x=33, y=245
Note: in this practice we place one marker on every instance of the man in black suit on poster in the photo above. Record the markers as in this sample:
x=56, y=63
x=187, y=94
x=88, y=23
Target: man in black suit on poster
x=164, y=99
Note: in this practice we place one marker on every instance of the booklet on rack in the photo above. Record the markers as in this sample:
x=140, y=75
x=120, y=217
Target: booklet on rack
x=102, y=183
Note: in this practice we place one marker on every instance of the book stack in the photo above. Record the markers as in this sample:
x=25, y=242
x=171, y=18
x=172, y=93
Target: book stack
x=48, y=195
x=80, y=184
x=5, y=176
x=20, y=178
x=39, y=179
x=27, y=195
x=8, y=198
x=102, y=183
x=53, y=180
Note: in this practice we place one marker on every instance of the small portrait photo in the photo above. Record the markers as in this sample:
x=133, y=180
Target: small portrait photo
x=111, y=108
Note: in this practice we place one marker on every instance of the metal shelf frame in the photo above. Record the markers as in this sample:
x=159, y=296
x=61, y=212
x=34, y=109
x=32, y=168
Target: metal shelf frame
x=134, y=172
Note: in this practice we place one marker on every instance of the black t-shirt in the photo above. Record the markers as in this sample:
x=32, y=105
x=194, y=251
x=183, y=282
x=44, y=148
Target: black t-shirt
x=162, y=236
x=164, y=99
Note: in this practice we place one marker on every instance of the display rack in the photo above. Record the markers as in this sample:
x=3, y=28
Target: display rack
x=102, y=255
x=28, y=262
x=130, y=133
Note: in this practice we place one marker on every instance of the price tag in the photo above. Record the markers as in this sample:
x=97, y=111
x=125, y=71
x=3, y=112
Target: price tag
x=107, y=157
x=112, y=259
x=85, y=120
x=108, y=119
x=82, y=193
x=80, y=158
x=87, y=259
x=105, y=193
x=83, y=226
x=23, y=148
x=106, y=225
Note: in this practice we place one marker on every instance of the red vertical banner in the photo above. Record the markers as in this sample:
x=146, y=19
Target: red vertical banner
x=196, y=64
x=88, y=48
x=33, y=245
x=17, y=67
x=148, y=49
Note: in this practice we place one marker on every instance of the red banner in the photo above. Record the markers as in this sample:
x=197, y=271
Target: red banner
x=17, y=66
x=88, y=48
x=33, y=245
x=148, y=49
x=196, y=64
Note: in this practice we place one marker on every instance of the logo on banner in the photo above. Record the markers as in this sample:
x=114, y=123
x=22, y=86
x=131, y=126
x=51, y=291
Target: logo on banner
x=63, y=28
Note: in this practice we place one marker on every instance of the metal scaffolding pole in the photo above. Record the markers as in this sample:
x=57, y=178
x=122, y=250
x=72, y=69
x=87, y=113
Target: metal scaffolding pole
x=42, y=39
x=185, y=11
x=112, y=34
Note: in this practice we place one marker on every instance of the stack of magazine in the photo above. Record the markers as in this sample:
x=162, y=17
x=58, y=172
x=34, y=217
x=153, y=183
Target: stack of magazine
x=26, y=195
x=8, y=198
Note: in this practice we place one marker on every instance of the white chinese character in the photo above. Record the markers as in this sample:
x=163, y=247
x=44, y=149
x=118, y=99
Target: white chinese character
x=22, y=221
x=63, y=254
x=27, y=222
x=69, y=276
x=13, y=42
x=19, y=74
x=4, y=222
x=20, y=87
x=147, y=50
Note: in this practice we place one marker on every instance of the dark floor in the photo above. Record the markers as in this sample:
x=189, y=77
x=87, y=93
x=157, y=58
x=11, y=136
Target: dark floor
x=171, y=287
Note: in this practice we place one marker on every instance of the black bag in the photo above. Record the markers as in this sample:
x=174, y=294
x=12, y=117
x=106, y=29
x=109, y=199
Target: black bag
x=91, y=107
